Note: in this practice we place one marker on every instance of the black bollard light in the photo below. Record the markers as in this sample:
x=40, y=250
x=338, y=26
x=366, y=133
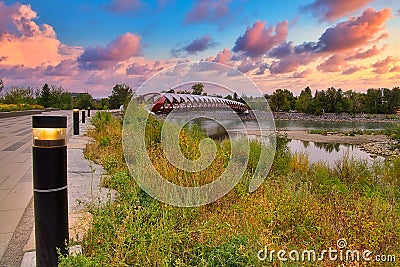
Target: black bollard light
x=49, y=155
x=88, y=112
x=83, y=116
x=75, y=121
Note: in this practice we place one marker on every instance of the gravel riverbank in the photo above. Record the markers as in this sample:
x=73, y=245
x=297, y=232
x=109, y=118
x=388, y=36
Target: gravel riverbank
x=343, y=117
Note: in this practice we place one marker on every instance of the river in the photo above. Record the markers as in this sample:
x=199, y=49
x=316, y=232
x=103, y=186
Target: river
x=328, y=153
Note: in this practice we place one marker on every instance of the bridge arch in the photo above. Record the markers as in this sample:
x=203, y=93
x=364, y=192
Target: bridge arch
x=166, y=102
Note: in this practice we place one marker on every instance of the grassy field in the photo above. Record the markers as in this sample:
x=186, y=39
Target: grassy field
x=300, y=206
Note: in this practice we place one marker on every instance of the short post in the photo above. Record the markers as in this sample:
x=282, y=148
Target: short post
x=83, y=116
x=49, y=155
x=88, y=112
x=75, y=121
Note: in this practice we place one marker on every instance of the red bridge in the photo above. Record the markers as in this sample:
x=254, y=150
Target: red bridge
x=166, y=102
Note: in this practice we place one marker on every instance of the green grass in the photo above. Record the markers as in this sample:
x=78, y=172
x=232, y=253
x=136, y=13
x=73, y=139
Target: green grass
x=299, y=206
x=394, y=133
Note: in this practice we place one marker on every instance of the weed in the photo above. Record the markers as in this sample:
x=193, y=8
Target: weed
x=299, y=206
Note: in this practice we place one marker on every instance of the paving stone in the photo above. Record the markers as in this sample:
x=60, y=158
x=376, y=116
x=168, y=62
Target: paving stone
x=10, y=220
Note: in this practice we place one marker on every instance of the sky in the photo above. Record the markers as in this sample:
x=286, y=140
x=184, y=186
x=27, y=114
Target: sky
x=89, y=46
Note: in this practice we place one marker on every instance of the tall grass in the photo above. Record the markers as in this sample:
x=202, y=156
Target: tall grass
x=18, y=107
x=299, y=206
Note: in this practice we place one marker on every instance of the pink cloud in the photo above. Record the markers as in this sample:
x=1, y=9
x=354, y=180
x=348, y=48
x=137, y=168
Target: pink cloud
x=395, y=69
x=198, y=45
x=31, y=55
x=353, y=33
x=137, y=69
x=302, y=74
x=383, y=66
x=224, y=56
x=146, y=70
x=361, y=54
x=282, y=50
x=332, y=10
x=122, y=48
x=258, y=40
x=207, y=10
x=23, y=41
x=247, y=65
x=333, y=64
x=339, y=39
x=262, y=68
x=352, y=69
x=17, y=19
x=64, y=68
x=124, y=6
x=292, y=62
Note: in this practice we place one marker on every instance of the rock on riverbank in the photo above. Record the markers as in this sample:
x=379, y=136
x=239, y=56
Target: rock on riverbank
x=382, y=148
x=343, y=117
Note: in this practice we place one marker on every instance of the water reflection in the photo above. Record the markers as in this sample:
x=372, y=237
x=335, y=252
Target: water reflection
x=328, y=153
x=329, y=147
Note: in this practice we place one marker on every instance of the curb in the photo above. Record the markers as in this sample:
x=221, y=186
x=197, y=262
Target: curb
x=20, y=113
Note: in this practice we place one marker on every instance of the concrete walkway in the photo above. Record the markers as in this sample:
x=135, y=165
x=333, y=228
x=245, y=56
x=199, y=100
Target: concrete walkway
x=16, y=188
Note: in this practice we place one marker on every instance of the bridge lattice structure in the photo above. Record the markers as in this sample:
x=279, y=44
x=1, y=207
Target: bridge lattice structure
x=164, y=103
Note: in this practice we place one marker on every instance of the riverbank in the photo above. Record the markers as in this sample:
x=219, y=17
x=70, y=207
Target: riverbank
x=374, y=144
x=222, y=114
x=334, y=137
x=332, y=117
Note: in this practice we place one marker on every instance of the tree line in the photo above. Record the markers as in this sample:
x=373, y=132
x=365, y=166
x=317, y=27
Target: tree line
x=332, y=100
x=52, y=96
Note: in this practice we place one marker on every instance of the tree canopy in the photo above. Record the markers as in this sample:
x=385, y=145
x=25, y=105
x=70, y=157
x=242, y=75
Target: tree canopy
x=197, y=88
x=332, y=100
x=121, y=95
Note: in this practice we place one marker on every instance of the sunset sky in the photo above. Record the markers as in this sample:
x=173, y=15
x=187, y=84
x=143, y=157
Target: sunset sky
x=89, y=46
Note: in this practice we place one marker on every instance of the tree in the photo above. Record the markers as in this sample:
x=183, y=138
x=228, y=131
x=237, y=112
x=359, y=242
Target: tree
x=282, y=100
x=44, y=97
x=197, y=88
x=19, y=95
x=121, y=95
x=1, y=85
x=304, y=102
x=320, y=101
x=59, y=98
x=105, y=103
x=83, y=101
x=373, y=101
x=235, y=96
